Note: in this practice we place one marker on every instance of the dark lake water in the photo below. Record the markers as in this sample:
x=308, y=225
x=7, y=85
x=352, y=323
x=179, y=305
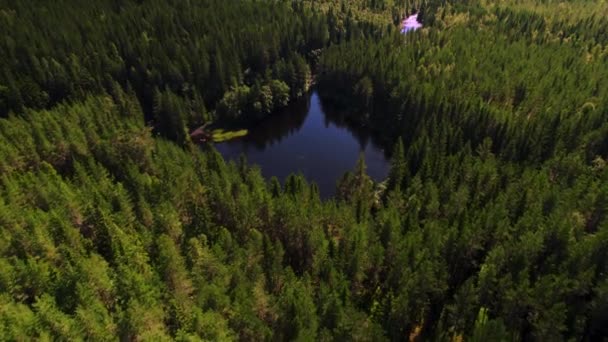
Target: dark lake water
x=309, y=138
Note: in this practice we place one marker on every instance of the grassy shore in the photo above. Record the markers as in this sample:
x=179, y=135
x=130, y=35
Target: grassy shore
x=220, y=135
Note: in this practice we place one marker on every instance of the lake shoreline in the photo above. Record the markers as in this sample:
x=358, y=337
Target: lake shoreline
x=311, y=138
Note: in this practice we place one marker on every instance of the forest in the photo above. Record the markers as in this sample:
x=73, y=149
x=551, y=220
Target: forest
x=491, y=226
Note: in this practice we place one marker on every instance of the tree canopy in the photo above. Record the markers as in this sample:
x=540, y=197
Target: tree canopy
x=492, y=224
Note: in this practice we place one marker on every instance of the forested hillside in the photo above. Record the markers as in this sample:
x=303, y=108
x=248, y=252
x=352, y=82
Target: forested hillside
x=492, y=225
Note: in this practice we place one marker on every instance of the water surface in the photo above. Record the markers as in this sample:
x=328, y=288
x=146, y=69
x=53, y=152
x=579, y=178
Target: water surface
x=309, y=138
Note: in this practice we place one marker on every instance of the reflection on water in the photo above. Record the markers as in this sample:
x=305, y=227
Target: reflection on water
x=278, y=127
x=309, y=138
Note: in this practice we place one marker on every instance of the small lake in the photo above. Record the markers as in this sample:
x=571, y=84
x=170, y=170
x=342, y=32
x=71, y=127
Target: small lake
x=309, y=138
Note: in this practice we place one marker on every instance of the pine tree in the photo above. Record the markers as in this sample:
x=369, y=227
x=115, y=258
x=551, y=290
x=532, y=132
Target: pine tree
x=398, y=170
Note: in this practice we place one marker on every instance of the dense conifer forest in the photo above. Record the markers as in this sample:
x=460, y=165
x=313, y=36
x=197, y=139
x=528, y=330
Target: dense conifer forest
x=491, y=226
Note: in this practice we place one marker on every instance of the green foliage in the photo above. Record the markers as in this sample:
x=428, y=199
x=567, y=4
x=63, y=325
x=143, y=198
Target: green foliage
x=220, y=135
x=243, y=58
x=245, y=103
x=492, y=224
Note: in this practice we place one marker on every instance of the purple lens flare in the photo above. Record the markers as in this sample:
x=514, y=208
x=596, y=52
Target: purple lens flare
x=411, y=23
